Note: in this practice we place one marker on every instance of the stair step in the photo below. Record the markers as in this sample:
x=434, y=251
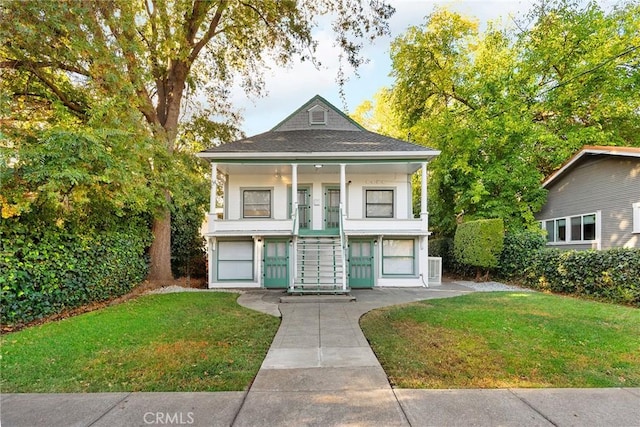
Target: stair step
x=309, y=297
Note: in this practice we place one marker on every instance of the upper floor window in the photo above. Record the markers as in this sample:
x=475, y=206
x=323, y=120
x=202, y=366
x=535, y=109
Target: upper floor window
x=317, y=115
x=379, y=203
x=579, y=228
x=256, y=203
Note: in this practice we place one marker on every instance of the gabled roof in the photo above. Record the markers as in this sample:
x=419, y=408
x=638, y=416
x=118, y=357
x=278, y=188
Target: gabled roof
x=590, y=150
x=340, y=137
x=316, y=100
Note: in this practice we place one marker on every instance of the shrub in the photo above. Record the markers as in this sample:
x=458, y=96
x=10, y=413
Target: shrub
x=52, y=268
x=443, y=247
x=611, y=275
x=188, y=250
x=479, y=243
x=518, y=251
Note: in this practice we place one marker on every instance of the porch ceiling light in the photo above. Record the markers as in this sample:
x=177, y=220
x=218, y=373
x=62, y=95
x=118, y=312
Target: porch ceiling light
x=318, y=166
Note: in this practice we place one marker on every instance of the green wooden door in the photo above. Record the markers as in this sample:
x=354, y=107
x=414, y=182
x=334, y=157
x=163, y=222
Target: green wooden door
x=276, y=263
x=332, y=208
x=361, y=264
x=304, y=207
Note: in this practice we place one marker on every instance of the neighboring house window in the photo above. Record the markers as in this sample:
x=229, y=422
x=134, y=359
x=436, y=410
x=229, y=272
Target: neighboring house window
x=636, y=217
x=583, y=227
x=256, y=203
x=556, y=230
x=579, y=228
x=235, y=260
x=317, y=116
x=379, y=203
x=398, y=257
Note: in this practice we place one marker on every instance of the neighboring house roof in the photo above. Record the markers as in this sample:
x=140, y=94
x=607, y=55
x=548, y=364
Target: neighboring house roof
x=590, y=150
x=338, y=136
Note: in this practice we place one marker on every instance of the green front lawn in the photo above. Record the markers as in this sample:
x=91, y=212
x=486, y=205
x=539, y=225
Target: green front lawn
x=497, y=340
x=192, y=341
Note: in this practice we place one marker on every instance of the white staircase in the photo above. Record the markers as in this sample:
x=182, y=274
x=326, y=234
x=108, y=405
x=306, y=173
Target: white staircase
x=319, y=266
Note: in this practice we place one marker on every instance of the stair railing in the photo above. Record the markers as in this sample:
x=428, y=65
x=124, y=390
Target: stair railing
x=294, y=247
x=343, y=241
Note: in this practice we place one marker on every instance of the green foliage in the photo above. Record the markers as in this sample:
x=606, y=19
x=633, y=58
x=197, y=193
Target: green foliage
x=519, y=250
x=48, y=268
x=443, y=247
x=189, y=204
x=479, y=243
x=507, y=107
x=611, y=275
x=79, y=172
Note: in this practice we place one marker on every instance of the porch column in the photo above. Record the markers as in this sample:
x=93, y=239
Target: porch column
x=423, y=192
x=294, y=189
x=343, y=187
x=214, y=191
x=211, y=256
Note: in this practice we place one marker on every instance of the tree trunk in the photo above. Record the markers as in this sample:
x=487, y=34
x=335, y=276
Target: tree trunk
x=160, y=251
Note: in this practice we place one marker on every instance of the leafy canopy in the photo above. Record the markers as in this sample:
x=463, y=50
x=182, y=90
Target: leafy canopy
x=507, y=106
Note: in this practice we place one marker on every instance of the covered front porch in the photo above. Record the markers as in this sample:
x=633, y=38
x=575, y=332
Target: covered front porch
x=366, y=197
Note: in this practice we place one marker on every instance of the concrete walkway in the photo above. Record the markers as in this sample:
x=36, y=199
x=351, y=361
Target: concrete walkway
x=321, y=371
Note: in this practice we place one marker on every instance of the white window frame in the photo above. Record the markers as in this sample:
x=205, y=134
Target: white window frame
x=635, y=207
x=568, y=234
x=386, y=257
x=235, y=261
x=393, y=203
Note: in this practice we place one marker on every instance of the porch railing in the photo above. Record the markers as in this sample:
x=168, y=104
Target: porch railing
x=343, y=246
x=294, y=246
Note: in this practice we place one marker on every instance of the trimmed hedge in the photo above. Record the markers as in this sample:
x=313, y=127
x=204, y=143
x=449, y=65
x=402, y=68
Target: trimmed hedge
x=443, y=247
x=611, y=275
x=479, y=243
x=47, y=271
x=517, y=251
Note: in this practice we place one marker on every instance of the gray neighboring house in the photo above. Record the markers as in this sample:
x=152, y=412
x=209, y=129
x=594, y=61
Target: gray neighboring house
x=594, y=200
x=317, y=204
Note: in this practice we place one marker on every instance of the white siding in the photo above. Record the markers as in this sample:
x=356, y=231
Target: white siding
x=355, y=193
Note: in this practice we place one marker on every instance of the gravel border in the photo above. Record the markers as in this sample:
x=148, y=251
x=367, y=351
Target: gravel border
x=491, y=286
x=175, y=288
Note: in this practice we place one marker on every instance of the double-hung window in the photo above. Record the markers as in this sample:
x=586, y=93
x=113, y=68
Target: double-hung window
x=256, y=203
x=379, y=203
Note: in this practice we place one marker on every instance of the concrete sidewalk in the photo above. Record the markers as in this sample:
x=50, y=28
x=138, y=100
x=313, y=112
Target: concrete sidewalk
x=321, y=371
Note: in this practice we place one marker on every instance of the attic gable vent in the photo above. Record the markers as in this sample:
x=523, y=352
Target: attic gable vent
x=317, y=116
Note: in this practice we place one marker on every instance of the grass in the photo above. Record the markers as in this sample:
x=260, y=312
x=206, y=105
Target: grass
x=500, y=340
x=172, y=342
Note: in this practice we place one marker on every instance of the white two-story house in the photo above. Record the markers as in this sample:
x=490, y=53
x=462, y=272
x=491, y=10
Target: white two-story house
x=317, y=204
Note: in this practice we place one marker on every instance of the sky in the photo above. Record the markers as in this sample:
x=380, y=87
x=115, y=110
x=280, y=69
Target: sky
x=289, y=88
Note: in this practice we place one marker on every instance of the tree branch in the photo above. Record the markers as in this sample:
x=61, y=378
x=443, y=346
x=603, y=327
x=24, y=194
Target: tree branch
x=211, y=31
x=22, y=63
x=75, y=108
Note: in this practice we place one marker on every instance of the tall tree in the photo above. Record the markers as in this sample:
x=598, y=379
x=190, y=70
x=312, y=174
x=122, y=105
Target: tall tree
x=508, y=106
x=153, y=54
